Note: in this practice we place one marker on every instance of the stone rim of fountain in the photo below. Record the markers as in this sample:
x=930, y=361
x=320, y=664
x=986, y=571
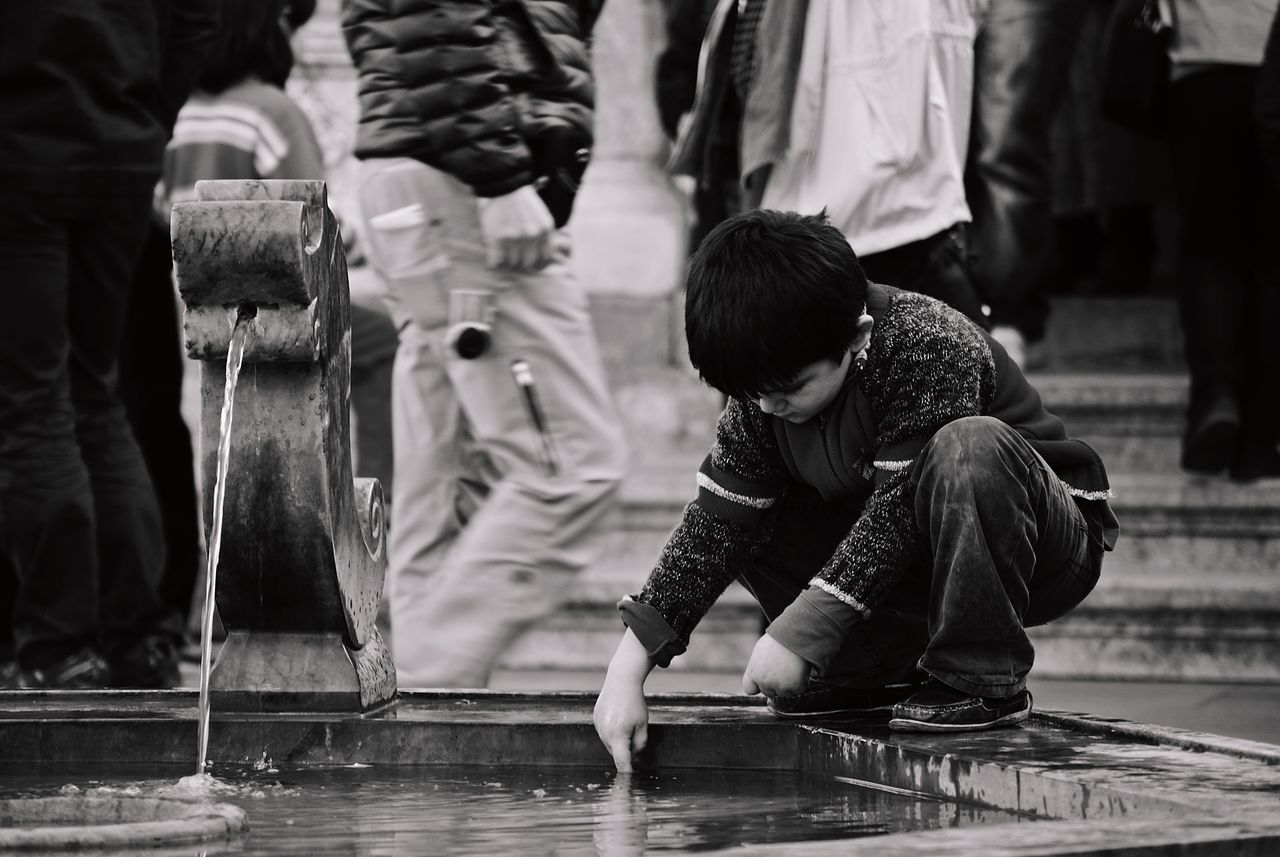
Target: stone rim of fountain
x=114, y=821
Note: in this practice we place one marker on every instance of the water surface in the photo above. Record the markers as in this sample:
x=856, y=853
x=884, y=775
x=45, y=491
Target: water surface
x=519, y=810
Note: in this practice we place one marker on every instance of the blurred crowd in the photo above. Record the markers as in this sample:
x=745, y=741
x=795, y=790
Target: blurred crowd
x=978, y=151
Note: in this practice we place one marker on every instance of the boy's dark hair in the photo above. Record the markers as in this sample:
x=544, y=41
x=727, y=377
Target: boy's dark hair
x=768, y=293
x=252, y=41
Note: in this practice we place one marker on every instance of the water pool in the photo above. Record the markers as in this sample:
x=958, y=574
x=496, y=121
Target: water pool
x=466, y=810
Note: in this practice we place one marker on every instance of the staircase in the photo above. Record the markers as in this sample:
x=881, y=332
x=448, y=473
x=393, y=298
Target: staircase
x=1192, y=591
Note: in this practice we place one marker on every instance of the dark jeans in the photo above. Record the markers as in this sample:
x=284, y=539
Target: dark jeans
x=937, y=266
x=1229, y=276
x=151, y=370
x=1022, y=59
x=78, y=516
x=1010, y=549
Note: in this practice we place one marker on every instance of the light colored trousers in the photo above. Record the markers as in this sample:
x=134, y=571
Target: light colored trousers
x=485, y=539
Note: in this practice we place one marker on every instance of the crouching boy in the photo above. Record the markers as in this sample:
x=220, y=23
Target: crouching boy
x=884, y=481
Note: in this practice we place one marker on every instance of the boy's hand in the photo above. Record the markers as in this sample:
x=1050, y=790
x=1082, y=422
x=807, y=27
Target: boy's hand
x=774, y=670
x=622, y=720
x=621, y=715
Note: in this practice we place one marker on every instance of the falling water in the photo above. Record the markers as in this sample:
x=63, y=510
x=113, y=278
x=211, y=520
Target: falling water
x=235, y=355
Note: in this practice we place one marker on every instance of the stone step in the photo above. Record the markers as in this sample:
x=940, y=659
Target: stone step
x=1192, y=591
x=1170, y=523
x=1230, y=632
x=1134, y=420
x=1144, y=633
x=1113, y=335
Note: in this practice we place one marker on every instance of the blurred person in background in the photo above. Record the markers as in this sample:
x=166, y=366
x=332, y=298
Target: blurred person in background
x=475, y=128
x=88, y=93
x=1229, y=213
x=1112, y=186
x=1023, y=59
x=858, y=107
x=675, y=85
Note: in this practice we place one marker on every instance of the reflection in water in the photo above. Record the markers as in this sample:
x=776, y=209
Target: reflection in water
x=573, y=811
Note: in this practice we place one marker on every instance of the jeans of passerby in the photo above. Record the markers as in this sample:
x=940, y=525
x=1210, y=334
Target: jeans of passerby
x=1229, y=269
x=1010, y=548
x=78, y=515
x=937, y=266
x=489, y=526
x=1022, y=60
x=152, y=365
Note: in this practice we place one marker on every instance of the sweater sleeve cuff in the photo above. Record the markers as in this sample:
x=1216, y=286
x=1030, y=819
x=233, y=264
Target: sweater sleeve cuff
x=895, y=457
x=659, y=640
x=814, y=626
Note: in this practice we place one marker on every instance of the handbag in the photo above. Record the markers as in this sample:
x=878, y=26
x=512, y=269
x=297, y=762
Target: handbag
x=1135, y=67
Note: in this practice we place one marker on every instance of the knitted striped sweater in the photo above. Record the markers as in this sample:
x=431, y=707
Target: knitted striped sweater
x=927, y=365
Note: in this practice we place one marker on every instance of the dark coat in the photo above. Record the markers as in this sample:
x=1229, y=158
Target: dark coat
x=89, y=89
x=479, y=89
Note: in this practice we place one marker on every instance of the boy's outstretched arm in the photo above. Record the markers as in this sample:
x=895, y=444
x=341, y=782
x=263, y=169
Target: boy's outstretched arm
x=621, y=715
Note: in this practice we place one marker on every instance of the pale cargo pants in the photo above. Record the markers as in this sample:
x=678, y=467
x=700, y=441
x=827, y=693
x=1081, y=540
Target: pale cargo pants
x=485, y=539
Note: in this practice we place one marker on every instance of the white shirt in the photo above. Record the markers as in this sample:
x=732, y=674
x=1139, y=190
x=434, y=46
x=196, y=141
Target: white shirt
x=880, y=123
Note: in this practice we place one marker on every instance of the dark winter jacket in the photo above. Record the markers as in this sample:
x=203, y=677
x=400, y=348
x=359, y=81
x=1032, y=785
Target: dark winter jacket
x=89, y=89
x=488, y=91
x=927, y=365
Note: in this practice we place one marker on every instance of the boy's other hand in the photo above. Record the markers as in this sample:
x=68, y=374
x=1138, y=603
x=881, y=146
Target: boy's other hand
x=774, y=670
x=517, y=230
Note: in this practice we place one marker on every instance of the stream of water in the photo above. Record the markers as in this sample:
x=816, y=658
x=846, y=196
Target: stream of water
x=235, y=357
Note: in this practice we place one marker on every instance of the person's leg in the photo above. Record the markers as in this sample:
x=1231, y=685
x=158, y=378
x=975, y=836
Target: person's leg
x=538, y=527
x=373, y=349
x=1010, y=548
x=46, y=506
x=1257, y=453
x=151, y=375
x=437, y=489
x=513, y=526
x=139, y=631
x=1210, y=132
x=1022, y=60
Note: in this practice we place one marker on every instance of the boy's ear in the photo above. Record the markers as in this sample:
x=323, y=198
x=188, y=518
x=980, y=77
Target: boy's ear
x=863, y=335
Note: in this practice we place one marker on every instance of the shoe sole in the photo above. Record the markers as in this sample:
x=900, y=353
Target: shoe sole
x=880, y=714
x=907, y=724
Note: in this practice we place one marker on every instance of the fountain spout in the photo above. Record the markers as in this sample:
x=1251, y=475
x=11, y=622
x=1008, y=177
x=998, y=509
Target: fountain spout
x=303, y=551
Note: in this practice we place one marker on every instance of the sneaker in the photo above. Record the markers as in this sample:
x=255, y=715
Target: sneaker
x=151, y=663
x=1209, y=443
x=84, y=669
x=821, y=700
x=1254, y=460
x=940, y=708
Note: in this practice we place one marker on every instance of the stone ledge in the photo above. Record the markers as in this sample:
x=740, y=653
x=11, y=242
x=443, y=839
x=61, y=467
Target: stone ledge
x=1113, y=788
x=1165, y=736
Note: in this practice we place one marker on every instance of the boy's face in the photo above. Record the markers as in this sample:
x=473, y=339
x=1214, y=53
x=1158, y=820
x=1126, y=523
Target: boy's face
x=809, y=392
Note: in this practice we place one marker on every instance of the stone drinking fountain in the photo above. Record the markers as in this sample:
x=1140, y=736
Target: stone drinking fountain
x=303, y=543
x=304, y=687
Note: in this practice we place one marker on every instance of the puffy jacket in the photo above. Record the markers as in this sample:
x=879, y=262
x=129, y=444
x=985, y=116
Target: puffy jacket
x=495, y=93
x=89, y=89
